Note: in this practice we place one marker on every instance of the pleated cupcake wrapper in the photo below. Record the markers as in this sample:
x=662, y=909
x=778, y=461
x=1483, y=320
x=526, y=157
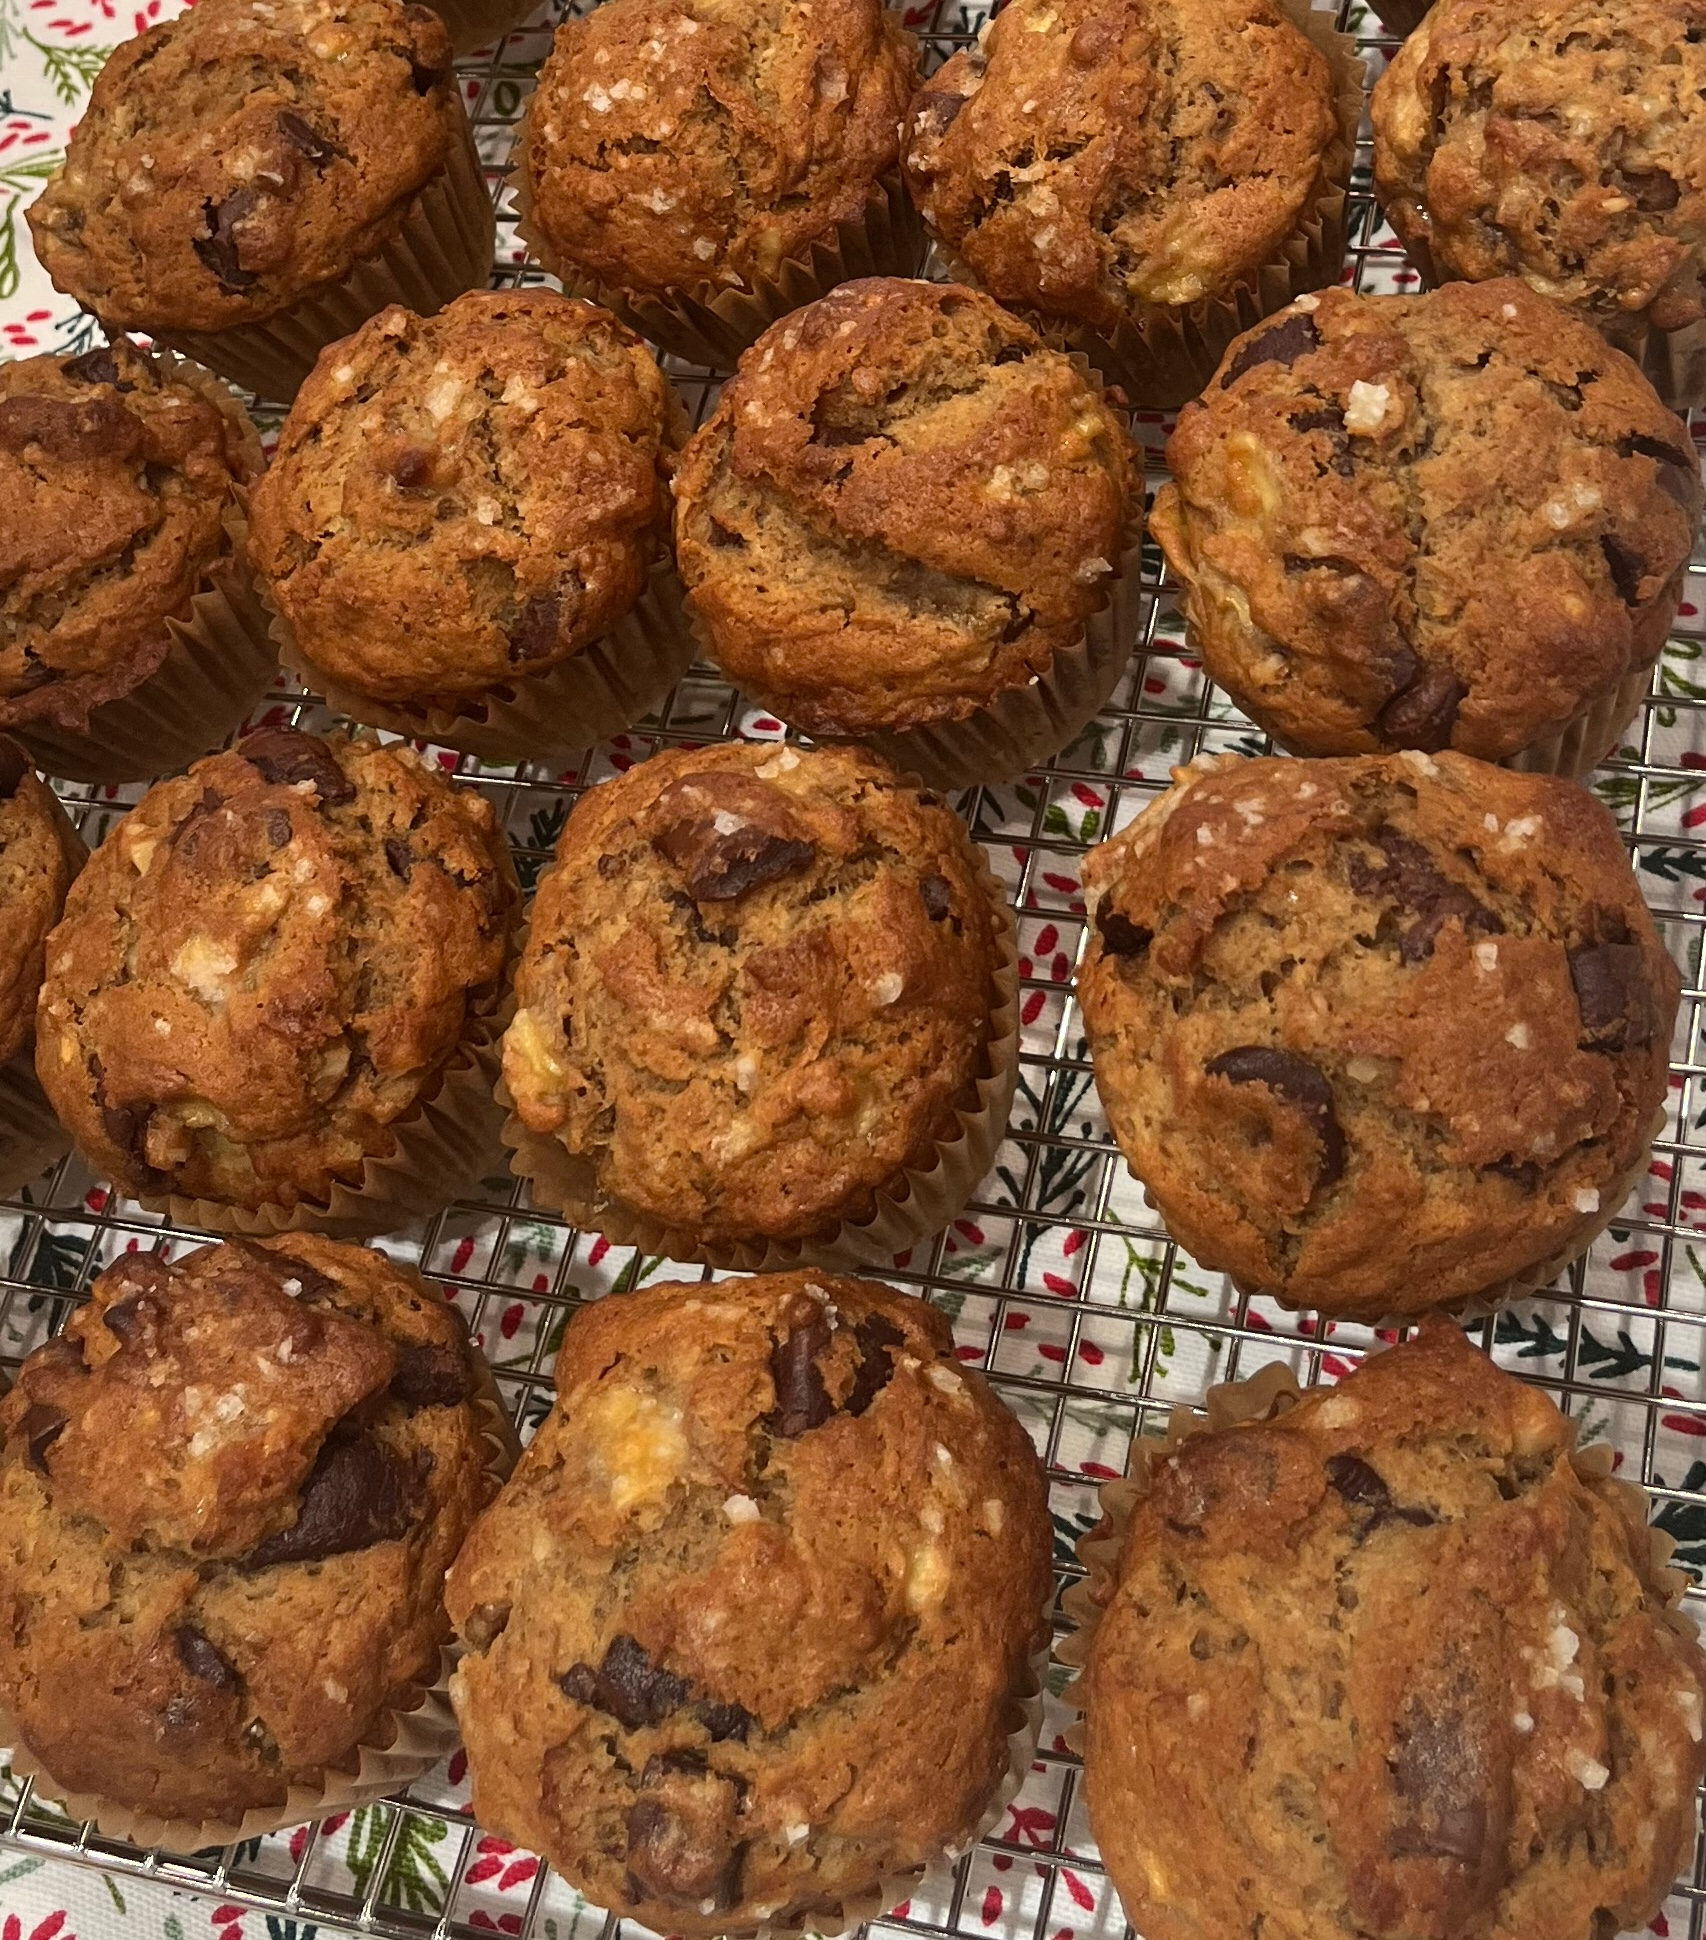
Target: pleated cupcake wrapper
x=1265, y=1396
x=477, y=23
x=31, y=1138
x=597, y=692
x=712, y=324
x=1400, y=17
x=405, y=1740
x=219, y=663
x=443, y=247
x=1582, y=744
x=924, y=1200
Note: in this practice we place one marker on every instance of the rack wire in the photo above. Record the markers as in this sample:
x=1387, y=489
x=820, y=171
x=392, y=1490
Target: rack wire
x=1058, y=1280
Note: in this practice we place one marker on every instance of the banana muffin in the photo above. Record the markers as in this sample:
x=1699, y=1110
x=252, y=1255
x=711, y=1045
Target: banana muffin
x=1450, y=520
x=118, y=471
x=228, y=1496
x=1113, y=165
x=460, y=501
x=771, y=1540
x=757, y=988
x=903, y=507
x=1379, y=1034
x=1389, y=1664
x=1563, y=141
x=269, y=964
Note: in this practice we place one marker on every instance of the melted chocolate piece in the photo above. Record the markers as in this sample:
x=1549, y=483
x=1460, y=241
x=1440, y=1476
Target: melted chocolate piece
x=127, y=1127
x=1435, y=1775
x=429, y=1375
x=538, y=631
x=1613, y=996
x=728, y=866
x=14, y=765
x=1410, y=878
x=1121, y=937
x=1423, y=713
x=802, y=1400
x=1363, y=1487
x=138, y=1274
x=412, y=468
x=320, y=149
x=1460, y=1833
x=1627, y=568
x=1283, y=344
x=97, y=366
x=357, y=1494
x=399, y=857
x=937, y=897
x=277, y=825
x=934, y=113
x=202, y=1659
x=217, y=250
x=725, y=1721
x=126, y=1320
x=627, y=1685
x=96, y=427
x=288, y=756
x=41, y=1427
x=681, y=1843
x=1300, y=1084
x=875, y=1336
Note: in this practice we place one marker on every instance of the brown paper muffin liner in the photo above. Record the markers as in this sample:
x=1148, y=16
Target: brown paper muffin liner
x=1582, y=744
x=923, y=1201
x=406, y=1740
x=1400, y=17
x=477, y=23
x=1265, y=1396
x=31, y=1138
x=710, y=324
x=443, y=248
x=219, y=663
x=597, y=692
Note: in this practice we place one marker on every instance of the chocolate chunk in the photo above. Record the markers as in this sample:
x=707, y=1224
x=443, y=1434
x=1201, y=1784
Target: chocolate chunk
x=674, y=1856
x=1121, y=937
x=1656, y=448
x=937, y=896
x=126, y=1320
x=277, y=825
x=1295, y=337
x=357, y=1494
x=875, y=1336
x=1613, y=996
x=137, y=1274
x=429, y=1375
x=126, y=1127
x=609, y=866
x=95, y=427
x=1458, y=1833
x=1654, y=190
x=1521, y=1172
x=627, y=1685
x=935, y=112
x=41, y=1427
x=1297, y=563
x=1438, y=1776
x=399, y=857
x=538, y=632
x=802, y=1400
x=1331, y=419
x=725, y=1721
x=1299, y=1083
x=202, y=1659
x=727, y=866
x=320, y=149
x=97, y=366
x=288, y=756
x=1422, y=714
x=1627, y=568
x=217, y=250
x=1409, y=876
x=412, y=468
x=14, y=765
x=1360, y=1485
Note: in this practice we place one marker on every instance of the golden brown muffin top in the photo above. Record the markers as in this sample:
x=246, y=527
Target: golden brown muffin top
x=39, y=855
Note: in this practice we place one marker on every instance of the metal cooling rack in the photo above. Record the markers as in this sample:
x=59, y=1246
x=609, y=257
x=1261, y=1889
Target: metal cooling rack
x=1059, y=1281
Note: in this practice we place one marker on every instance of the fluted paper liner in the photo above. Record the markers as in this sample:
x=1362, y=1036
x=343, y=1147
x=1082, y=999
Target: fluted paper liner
x=595, y=693
x=1264, y=1396
x=1583, y=743
x=1400, y=17
x=443, y=247
x=712, y=324
x=219, y=663
x=477, y=23
x=923, y=1201
x=406, y=1739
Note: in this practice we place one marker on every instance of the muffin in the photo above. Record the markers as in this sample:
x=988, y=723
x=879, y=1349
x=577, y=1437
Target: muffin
x=130, y=638
x=771, y=1541
x=1150, y=179
x=764, y=989
x=269, y=973
x=1564, y=142
x=1451, y=520
x=248, y=184
x=1391, y=1664
x=705, y=165
x=1378, y=1034
x=903, y=515
x=230, y=1493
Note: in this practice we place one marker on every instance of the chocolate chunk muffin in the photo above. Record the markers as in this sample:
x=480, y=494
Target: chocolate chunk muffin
x=1114, y=165
x=39, y=854
x=1391, y=1664
x=904, y=507
x=769, y=1542
x=119, y=471
x=1457, y=519
x=1378, y=1034
x=1563, y=141
x=230, y=1492
x=270, y=964
x=460, y=501
x=757, y=990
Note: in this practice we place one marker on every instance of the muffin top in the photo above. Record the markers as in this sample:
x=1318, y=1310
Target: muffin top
x=1428, y=521
x=1380, y=1032
x=228, y=1496
x=675, y=143
x=1097, y=158
x=1560, y=140
x=116, y=474
x=1387, y=1666
x=270, y=960
x=903, y=505
x=757, y=983
x=769, y=1542
x=233, y=157
x=460, y=500
x=39, y=854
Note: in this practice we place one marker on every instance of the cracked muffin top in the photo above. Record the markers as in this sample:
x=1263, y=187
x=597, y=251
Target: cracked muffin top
x=39, y=855
x=116, y=473
x=902, y=506
x=1560, y=140
x=1377, y=1033
x=675, y=143
x=771, y=1539
x=1095, y=160
x=228, y=1496
x=1388, y=1665
x=268, y=962
x=235, y=156
x=460, y=500
x=1445, y=520
x=757, y=983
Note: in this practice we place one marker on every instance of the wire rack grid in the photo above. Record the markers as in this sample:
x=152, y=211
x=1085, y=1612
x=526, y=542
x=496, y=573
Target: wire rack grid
x=1060, y=1282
